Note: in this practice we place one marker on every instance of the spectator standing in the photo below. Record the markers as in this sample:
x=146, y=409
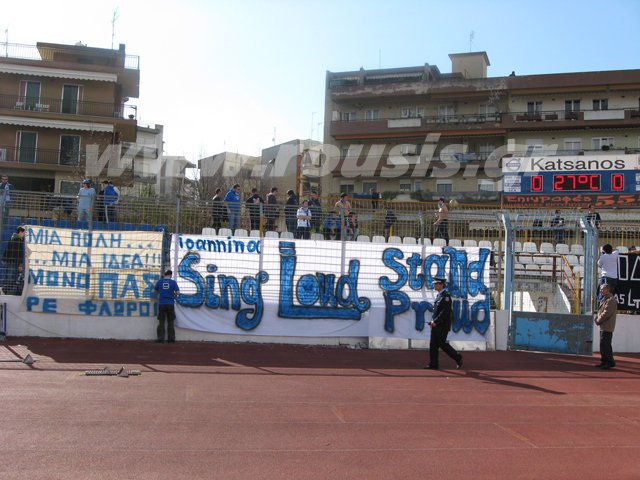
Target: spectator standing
x=442, y=220
x=606, y=320
x=253, y=207
x=290, y=211
x=557, y=225
x=232, y=199
x=14, y=263
x=389, y=222
x=344, y=209
x=99, y=208
x=110, y=199
x=608, y=263
x=167, y=290
x=331, y=226
x=5, y=196
x=218, y=210
x=316, y=211
x=440, y=325
x=304, y=217
x=352, y=226
x=86, y=197
x=273, y=209
x=593, y=217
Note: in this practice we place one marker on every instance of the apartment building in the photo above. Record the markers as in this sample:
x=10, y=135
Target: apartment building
x=420, y=133
x=64, y=113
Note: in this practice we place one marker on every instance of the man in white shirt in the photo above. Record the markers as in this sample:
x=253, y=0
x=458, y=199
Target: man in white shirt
x=608, y=263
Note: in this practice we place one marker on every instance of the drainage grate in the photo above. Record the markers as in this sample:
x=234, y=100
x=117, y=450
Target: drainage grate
x=113, y=372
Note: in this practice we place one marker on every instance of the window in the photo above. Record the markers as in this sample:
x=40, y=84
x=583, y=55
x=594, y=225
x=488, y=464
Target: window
x=344, y=152
x=405, y=187
x=534, y=107
x=27, y=145
x=406, y=112
x=445, y=111
x=573, y=144
x=444, y=186
x=487, y=109
x=70, y=99
x=534, y=147
x=417, y=186
x=30, y=94
x=366, y=186
x=347, y=188
x=419, y=112
x=486, y=186
x=603, y=143
x=348, y=116
x=601, y=104
x=69, y=150
x=572, y=105
x=372, y=114
x=485, y=149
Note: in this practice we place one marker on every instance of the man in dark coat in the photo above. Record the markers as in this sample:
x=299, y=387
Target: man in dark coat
x=14, y=263
x=440, y=325
x=253, y=207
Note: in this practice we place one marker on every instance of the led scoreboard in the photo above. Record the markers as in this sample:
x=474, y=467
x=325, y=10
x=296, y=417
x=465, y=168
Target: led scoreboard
x=588, y=176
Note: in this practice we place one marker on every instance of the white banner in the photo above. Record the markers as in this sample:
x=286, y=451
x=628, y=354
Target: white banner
x=101, y=273
x=326, y=289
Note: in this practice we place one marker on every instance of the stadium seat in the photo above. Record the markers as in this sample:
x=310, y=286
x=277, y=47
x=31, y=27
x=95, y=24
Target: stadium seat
x=529, y=247
x=485, y=244
x=542, y=260
x=468, y=242
x=517, y=247
x=622, y=249
x=208, y=231
x=378, y=239
x=254, y=233
x=532, y=269
x=578, y=270
x=546, y=247
x=577, y=249
x=240, y=232
x=455, y=242
x=225, y=232
x=562, y=249
x=409, y=241
x=318, y=236
x=525, y=259
x=287, y=235
x=271, y=234
x=546, y=270
x=572, y=260
x=363, y=238
x=580, y=259
x=439, y=242
x=425, y=241
x=394, y=239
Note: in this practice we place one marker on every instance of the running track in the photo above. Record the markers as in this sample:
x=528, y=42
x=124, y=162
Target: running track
x=245, y=411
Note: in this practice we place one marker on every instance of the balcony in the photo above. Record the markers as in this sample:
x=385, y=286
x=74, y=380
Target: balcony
x=133, y=149
x=415, y=126
x=572, y=119
x=37, y=157
x=64, y=107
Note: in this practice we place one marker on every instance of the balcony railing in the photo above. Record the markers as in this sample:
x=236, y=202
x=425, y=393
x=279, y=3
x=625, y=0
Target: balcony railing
x=621, y=114
x=72, y=54
x=66, y=107
x=41, y=156
x=135, y=150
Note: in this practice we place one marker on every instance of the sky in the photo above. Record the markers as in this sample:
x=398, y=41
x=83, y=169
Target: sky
x=241, y=75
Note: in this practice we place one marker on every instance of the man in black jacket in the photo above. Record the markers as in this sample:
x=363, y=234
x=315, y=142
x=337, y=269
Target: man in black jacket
x=440, y=325
x=14, y=263
x=253, y=207
x=290, y=211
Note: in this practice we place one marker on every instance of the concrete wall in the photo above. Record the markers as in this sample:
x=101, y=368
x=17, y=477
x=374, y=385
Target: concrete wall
x=626, y=338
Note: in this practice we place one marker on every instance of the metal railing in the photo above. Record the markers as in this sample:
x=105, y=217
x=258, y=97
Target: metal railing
x=71, y=53
x=65, y=107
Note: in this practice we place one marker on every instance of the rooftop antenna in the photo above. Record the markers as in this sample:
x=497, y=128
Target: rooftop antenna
x=472, y=35
x=113, y=25
x=274, y=136
x=380, y=59
x=6, y=41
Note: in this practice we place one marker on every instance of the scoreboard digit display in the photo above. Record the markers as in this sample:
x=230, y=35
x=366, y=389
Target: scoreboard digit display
x=571, y=175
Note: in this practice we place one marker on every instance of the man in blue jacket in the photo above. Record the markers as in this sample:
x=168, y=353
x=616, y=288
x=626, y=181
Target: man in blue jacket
x=232, y=199
x=167, y=289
